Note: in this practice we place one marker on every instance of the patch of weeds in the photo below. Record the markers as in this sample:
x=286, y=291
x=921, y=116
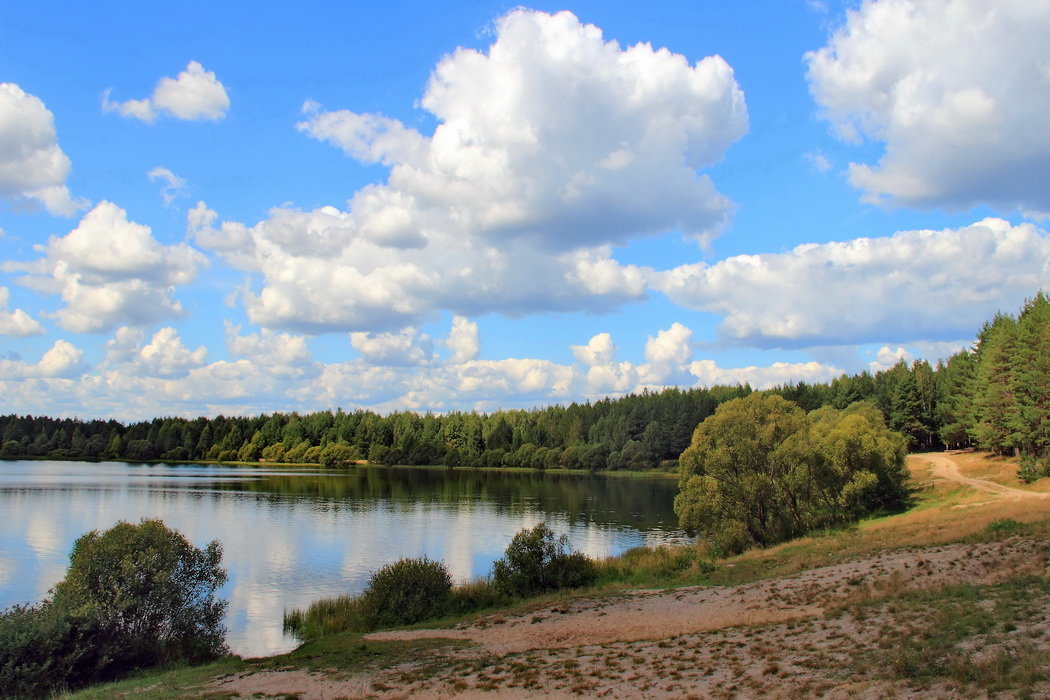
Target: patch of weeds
x=950, y=623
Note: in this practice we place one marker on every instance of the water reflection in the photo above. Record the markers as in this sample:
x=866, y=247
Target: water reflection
x=291, y=537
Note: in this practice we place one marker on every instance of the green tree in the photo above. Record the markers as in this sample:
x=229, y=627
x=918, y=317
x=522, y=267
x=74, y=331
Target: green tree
x=1032, y=375
x=760, y=470
x=155, y=590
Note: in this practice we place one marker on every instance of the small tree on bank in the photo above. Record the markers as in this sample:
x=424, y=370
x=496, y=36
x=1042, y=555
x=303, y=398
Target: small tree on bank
x=134, y=596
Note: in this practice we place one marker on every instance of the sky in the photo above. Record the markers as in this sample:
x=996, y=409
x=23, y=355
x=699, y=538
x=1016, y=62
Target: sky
x=240, y=208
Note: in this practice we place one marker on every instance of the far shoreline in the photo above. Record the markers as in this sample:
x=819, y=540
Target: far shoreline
x=619, y=473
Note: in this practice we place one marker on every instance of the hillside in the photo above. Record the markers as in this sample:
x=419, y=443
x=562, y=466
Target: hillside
x=949, y=598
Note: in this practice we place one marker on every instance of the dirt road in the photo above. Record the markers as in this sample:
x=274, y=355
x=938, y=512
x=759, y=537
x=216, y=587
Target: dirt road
x=944, y=467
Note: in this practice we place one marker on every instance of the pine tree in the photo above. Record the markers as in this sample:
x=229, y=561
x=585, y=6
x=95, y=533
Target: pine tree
x=1032, y=376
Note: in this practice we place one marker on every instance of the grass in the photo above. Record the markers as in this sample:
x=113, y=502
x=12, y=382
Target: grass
x=967, y=635
x=345, y=654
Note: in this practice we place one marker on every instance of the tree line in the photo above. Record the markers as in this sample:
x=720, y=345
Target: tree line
x=993, y=395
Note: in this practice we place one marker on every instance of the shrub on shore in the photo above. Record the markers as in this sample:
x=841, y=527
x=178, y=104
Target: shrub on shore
x=416, y=590
x=536, y=562
x=135, y=596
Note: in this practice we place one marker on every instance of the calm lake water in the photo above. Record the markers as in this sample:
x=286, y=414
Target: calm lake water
x=293, y=536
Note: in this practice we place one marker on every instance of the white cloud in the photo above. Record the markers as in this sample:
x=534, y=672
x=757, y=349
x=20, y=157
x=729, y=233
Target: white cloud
x=111, y=271
x=463, y=341
x=779, y=373
x=63, y=360
x=32, y=166
x=667, y=356
x=283, y=354
x=887, y=357
x=193, y=95
x=163, y=377
x=818, y=161
x=914, y=285
x=958, y=90
x=406, y=347
x=172, y=185
x=551, y=146
x=164, y=355
x=16, y=323
x=599, y=350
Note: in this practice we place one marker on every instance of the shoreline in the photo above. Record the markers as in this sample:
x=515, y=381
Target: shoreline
x=619, y=473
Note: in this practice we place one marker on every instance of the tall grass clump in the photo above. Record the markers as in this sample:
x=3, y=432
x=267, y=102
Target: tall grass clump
x=402, y=593
x=663, y=564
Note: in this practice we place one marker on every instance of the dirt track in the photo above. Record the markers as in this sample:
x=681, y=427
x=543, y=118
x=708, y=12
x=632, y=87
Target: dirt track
x=944, y=467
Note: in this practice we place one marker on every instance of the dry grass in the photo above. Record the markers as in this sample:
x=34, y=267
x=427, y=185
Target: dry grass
x=1000, y=470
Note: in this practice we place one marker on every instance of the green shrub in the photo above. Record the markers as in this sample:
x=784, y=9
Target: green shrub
x=536, y=561
x=1029, y=470
x=134, y=596
x=406, y=592
x=156, y=588
x=45, y=650
x=1004, y=527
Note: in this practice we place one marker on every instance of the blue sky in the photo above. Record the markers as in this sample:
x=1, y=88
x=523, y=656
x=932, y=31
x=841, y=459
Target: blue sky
x=240, y=208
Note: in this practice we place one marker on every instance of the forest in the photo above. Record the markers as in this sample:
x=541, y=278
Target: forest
x=994, y=395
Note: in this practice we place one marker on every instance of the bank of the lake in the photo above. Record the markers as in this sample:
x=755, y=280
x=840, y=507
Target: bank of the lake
x=668, y=470
x=293, y=534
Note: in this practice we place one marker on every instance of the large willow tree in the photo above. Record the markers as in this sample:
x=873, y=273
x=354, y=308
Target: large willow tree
x=761, y=470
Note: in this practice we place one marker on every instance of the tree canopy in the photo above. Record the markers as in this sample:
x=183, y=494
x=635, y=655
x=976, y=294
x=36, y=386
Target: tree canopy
x=761, y=470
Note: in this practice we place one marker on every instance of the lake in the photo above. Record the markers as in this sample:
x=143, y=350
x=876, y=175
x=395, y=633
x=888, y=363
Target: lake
x=291, y=536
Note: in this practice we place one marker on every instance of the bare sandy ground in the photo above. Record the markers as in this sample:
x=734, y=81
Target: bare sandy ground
x=773, y=638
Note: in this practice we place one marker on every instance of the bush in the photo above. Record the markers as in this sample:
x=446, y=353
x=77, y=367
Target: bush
x=536, y=561
x=156, y=588
x=134, y=596
x=475, y=596
x=406, y=592
x=44, y=650
x=1029, y=471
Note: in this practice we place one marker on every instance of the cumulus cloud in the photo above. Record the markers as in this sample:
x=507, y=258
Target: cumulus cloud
x=164, y=355
x=599, y=350
x=667, y=355
x=63, y=360
x=282, y=353
x=16, y=323
x=914, y=285
x=172, y=186
x=406, y=347
x=143, y=377
x=32, y=166
x=708, y=373
x=887, y=357
x=957, y=90
x=550, y=147
x=463, y=340
x=111, y=271
x=194, y=94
